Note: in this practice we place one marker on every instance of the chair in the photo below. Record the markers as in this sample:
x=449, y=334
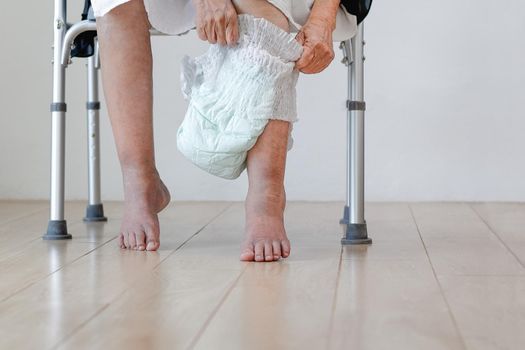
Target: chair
x=79, y=40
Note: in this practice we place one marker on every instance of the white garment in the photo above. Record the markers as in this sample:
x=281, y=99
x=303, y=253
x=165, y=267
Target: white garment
x=176, y=17
x=234, y=91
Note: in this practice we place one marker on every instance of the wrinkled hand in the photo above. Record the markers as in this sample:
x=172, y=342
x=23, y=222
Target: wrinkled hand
x=216, y=21
x=316, y=38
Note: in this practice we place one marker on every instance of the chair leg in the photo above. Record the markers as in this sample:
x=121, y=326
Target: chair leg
x=57, y=226
x=353, y=221
x=95, y=209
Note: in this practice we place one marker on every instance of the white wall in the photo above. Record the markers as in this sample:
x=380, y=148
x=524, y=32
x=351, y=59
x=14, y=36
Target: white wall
x=445, y=121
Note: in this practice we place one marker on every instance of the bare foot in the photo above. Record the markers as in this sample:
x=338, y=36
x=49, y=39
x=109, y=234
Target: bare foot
x=266, y=238
x=145, y=196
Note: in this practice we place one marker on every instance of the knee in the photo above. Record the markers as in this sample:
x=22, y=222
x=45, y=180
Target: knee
x=263, y=9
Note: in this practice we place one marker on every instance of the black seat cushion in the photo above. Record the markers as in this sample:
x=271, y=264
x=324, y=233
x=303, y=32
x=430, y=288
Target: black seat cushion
x=358, y=8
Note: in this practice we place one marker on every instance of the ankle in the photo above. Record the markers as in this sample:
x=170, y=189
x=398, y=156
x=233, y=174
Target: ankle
x=266, y=200
x=267, y=190
x=139, y=173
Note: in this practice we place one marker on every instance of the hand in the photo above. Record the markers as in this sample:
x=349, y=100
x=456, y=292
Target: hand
x=216, y=21
x=316, y=38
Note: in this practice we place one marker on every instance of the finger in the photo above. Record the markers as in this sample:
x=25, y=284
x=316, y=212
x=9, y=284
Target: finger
x=317, y=65
x=232, y=28
x=305, y=59
x=326, y=56
x=323, y=55
x=324, y=63
x=210, y=30
x=201, y=31
x=220, y=29
x=213, y=36
x=320, y=66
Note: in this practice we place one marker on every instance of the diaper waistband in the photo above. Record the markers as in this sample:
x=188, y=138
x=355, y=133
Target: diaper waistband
x=263, y=34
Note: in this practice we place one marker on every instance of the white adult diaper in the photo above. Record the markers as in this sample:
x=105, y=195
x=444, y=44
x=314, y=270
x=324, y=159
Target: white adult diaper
x=233, y=92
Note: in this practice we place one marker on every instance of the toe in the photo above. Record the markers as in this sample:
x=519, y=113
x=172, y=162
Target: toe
x=140, y=238
x=268, y=251
x=276, y=245
x=121, y=241
x=259, y=251
x=247, y=253
x=152, y=237
x=125, y=239
x=285, y=248
x=131, y=240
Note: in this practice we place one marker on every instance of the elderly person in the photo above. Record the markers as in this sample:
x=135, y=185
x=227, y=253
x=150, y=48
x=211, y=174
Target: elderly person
x=125, y=51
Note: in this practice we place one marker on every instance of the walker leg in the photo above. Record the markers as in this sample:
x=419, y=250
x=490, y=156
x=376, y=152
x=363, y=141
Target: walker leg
x=57, y=227
x=353, y=221
x=95, y=209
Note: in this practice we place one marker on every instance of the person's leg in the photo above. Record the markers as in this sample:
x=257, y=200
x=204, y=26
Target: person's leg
x=266, y=238
x=126, y=63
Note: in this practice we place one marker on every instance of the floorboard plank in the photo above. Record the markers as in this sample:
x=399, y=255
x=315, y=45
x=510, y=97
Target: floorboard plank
x=437, y=276
x=507, y=220
x=171, y=304
x=285, y=305
x=460, y=243
x=394, y=304
x=481, y=279
x=490, y=310
x=33, y=258
x=388, y=297
x=17, y=234
x=15, y=209
x=57, y=304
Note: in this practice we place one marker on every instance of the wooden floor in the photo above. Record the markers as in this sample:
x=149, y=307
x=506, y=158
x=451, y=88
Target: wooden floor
x=438, y=276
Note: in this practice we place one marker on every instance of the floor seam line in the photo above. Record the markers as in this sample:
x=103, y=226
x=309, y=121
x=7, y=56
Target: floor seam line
x=29, y=241
x=66, y=337
x=334, y=301
x=180, y=246
x=215, y=310
x=22, y=216
x=55, y=271
x=134, y=282
x=441, y=290
x=493, y=231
